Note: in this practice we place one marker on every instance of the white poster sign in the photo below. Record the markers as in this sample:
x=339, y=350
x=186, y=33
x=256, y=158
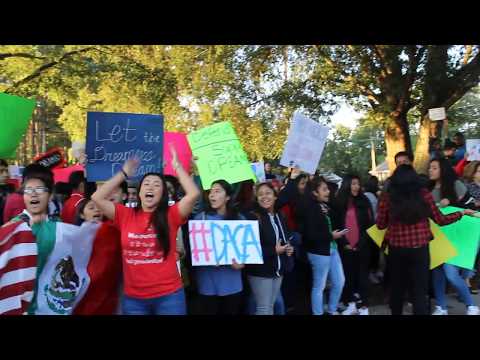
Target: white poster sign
x=437, y=114
x=217, y=242
x=259, y=170
x=473, y=149
x=305, y=143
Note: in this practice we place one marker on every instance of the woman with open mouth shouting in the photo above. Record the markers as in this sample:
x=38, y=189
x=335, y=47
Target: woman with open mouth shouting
x=148, y=236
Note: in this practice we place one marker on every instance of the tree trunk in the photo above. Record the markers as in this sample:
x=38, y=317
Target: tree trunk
x=422, y=155
x=397, y=138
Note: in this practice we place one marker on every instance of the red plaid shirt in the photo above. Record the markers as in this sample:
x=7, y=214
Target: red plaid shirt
x=415, y=235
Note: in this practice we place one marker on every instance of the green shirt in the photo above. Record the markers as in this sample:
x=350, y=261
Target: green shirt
x=333, y=244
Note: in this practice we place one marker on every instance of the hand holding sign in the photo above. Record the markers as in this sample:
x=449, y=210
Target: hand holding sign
x=237, y=266
x=175, y=163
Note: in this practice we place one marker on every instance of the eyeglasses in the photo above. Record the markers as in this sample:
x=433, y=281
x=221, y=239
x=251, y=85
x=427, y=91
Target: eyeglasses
x=37, y=190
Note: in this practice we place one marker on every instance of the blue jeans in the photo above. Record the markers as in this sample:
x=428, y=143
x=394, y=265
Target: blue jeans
x=171, y=304
x=265, y=292
x=323, y=266
x=453, y=274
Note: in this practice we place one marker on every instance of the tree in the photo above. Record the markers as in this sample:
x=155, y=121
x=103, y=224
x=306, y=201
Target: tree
x=388, y=82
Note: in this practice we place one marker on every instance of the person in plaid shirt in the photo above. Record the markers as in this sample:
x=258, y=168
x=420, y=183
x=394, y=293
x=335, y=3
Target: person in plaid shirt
x=404, y=211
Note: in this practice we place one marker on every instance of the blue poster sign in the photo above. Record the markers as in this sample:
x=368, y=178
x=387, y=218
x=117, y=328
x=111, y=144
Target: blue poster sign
x=112, y=138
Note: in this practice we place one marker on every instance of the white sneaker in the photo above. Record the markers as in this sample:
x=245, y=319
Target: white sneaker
x=440, y=311
x=473, y=310
x=351, y=309
x=379, y=274
x=363, y=311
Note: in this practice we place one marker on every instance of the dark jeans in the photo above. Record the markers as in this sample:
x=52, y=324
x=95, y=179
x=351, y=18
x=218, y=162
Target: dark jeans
x=409, y=271
x=355, y=267
x=220, y=305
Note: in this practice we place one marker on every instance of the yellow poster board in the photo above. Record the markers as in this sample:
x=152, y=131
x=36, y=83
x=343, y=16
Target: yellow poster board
x=441, y=249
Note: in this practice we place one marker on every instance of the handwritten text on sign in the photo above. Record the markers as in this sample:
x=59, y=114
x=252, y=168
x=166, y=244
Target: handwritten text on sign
x=220, y=155
x=217, y=242
x=113, y=138
x=305, y=144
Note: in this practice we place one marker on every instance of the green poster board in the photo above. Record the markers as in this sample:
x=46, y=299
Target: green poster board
x=15, y=114
x=465, y=236
x=220, y=155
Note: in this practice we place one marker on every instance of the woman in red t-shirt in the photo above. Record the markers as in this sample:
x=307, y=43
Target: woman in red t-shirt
x=152, y=283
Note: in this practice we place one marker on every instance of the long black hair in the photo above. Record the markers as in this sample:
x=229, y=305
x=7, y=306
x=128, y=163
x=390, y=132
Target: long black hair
x=407, y=205
x=159, y=218
x=345, y=192
x=371, y=185
x=232, y=211
x=447, y=181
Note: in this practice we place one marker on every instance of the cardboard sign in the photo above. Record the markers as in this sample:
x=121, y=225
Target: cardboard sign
x=441, y=249
x=437, y=114
x=305, y=143
x=15, y=114
x=473, y=149
x=113, y=138
x=259, y=170
x=464, y=234
x=182, y=147
x=217, y=242
x=52, y=159
x=220, y=155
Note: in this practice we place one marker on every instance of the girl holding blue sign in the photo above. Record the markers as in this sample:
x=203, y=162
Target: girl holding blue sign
x=220, y=287
x=152, y=283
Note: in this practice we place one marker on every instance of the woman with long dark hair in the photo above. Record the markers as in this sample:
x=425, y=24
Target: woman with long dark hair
x=320, y=242
x=355, y=214
x=220, y=287
x=372, y=191
x=404, y=210
x=266, y=279
x=448, y=190
x=148, y=235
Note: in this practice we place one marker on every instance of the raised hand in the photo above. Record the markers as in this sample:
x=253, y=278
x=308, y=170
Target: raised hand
x=131, y=166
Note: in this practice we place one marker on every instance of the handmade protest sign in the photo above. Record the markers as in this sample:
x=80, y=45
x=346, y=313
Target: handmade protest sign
x=259, y=170
x=63, y=174
x=441, y=249
x=217, y=242
x=220, y=155
x=473, y=149
x=112, y=138
x=184, y=152
x=437, y=114
x=15, y=114
x=465, y=236
x=52, y=159
x=305, y=143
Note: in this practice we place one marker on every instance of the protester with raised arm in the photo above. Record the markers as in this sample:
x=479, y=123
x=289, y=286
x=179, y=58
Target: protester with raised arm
x=148, y=235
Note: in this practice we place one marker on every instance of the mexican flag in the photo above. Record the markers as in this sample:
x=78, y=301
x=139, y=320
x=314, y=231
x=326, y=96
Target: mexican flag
x=54, y=267
x=64, y=279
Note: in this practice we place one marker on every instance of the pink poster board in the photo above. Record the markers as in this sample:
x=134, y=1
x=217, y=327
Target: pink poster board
x=184, y=152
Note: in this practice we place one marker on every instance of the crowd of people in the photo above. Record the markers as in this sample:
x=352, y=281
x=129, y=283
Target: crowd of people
x=313, y=235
